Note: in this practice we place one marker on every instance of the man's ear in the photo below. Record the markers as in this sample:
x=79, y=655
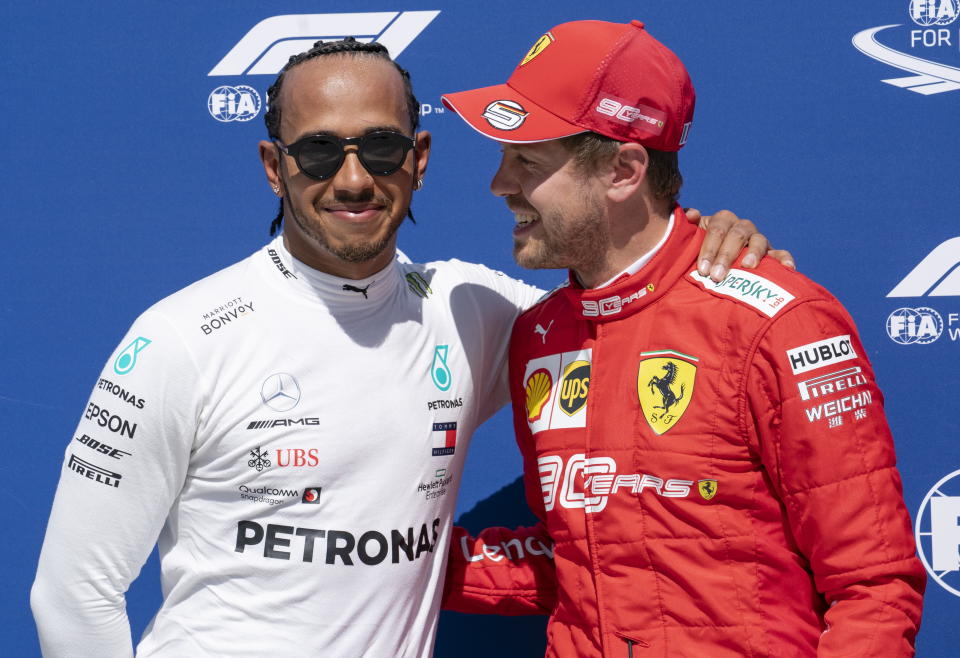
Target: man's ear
x=629, y=171
x=270, y=158
x=422, y=154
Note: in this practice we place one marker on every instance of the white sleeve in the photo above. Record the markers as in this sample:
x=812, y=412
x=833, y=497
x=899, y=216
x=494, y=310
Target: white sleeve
x=123, y=469
x=497, y=314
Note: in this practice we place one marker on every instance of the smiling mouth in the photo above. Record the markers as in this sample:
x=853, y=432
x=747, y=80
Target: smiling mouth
x=524, y=222
x=350, y=213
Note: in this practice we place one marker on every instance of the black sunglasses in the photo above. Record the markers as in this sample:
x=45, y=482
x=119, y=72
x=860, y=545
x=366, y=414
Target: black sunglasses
x=320, y=156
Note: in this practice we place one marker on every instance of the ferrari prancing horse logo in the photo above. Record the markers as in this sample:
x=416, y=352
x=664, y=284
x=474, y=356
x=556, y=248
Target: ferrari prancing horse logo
x=707, y=488
x=665, y=386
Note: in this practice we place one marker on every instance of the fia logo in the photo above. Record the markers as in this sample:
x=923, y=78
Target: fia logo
x=240, y=103
x=931, y=36
x=937, y=532
x=909, y=326
x=933, y=12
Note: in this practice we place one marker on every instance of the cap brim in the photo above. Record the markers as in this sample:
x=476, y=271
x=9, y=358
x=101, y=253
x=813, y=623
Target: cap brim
x=499, y=112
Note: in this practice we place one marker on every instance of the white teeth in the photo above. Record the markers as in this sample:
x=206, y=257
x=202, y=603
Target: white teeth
x=523, y=220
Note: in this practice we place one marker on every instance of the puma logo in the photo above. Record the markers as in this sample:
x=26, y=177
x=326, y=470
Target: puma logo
x=543, y=332
x=347, y=286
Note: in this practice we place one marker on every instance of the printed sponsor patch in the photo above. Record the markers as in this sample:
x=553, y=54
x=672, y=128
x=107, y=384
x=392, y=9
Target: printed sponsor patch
x=643, y=117
x=831, y=383
x=749, y=288
x=822, y=353
x=833, y=410
x=444, y=439
x=556, y=389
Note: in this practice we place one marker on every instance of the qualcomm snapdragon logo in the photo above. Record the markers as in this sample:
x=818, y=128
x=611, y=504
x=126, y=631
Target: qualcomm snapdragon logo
x=936, y=33
x=937, y=275
x=269, y=44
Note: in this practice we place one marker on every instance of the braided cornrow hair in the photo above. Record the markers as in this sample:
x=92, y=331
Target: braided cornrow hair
x=345, y=46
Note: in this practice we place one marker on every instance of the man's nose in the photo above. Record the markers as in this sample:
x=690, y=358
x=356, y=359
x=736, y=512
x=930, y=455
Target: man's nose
x=352, y=175
x=504, y=183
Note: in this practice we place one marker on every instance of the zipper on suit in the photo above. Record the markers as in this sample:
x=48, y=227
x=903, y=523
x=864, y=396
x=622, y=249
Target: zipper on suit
x=631, y=643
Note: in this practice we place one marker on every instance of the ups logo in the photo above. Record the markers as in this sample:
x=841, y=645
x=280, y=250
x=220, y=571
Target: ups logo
x=574, y=387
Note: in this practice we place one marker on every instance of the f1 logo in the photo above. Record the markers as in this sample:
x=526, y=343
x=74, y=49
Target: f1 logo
x=937, y=275
x=271, y=42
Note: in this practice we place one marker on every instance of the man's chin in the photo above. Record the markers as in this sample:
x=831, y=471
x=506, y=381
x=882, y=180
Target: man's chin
x=360, y=252
x=528, y=258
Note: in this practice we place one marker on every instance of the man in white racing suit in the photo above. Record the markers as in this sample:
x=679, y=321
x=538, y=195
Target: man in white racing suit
x=291, y=430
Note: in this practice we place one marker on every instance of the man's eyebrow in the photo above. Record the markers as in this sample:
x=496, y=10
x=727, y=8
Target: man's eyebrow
x=367, y=131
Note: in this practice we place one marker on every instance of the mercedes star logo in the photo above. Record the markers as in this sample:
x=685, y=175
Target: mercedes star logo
x=280, y=392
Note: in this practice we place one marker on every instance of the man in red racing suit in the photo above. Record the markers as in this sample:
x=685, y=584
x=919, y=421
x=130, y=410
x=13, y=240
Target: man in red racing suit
x=710, y=461
x=713, y=467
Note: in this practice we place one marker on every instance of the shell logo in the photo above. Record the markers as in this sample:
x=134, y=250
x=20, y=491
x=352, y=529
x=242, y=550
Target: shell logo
x=539, y=385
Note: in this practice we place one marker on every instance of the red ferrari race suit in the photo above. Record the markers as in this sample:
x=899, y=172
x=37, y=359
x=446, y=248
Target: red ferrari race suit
x=712, y=465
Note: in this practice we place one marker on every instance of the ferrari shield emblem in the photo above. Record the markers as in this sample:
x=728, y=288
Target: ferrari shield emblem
x=665, y=387
x=537, y=48
x=707, y=488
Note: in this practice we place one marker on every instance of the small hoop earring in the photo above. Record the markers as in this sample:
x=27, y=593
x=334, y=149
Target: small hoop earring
x=418, y=184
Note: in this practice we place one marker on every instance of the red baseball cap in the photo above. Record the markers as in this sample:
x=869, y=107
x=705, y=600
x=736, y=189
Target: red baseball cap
x=610, y=78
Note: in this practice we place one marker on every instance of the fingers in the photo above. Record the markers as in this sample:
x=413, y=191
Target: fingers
x=784, y=257
x=726, y=236
x=693, y=216
x=757, y=246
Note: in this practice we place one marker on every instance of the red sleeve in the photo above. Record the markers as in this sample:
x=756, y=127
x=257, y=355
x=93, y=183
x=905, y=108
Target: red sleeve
x=817, y=416
x=502, y=571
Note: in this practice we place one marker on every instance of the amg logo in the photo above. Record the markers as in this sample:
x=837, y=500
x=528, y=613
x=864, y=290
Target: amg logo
x=93, y=472
x=281, y=422
x=371, y=547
